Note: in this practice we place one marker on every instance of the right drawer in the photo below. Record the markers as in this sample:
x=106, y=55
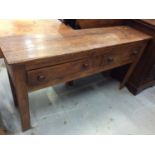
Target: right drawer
x=117, y=56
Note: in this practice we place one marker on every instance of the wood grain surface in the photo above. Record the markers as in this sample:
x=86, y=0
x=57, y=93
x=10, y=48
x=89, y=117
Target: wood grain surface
x=21, y=49
x=31, y=27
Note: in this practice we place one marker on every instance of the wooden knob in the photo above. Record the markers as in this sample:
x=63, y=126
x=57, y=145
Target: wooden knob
x=135, y=52
x=110, y=59
x=41, y=78
x=85, y=65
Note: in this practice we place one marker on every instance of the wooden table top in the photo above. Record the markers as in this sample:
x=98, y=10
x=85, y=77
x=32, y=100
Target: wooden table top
x=31, y=27
x=21, y=49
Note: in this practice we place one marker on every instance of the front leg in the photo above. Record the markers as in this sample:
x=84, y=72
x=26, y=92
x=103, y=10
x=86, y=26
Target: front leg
x=14, y=96
x=21, y=91
x=1, y=54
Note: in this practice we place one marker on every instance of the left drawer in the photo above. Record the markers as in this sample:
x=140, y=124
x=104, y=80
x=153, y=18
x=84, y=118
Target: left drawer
x=59, y=73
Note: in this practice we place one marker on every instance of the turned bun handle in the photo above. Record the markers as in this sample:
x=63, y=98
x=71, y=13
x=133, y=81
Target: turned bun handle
x=110, y=59
x=41, y=78
x=85, y=66
x=135, y=52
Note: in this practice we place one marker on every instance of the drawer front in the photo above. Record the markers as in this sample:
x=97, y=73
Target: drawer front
x=59, y=73
x=117, y=56
x=100, y=61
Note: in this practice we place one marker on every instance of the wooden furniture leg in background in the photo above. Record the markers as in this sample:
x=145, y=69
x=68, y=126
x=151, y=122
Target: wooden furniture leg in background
x=2, y=131
x=21, y=92
x=2, y=128
x=69, y=83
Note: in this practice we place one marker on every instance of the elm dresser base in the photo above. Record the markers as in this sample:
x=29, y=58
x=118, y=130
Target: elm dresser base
x=35, y=62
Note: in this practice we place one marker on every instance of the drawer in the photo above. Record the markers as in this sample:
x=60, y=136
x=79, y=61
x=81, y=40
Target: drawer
x=99, y=61
x=117, y=56
x=59, y=73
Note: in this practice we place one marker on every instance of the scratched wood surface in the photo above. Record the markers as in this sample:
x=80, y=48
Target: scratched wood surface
x=31, y=27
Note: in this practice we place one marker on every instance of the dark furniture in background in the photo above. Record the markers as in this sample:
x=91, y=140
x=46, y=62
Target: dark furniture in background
x=92, y=23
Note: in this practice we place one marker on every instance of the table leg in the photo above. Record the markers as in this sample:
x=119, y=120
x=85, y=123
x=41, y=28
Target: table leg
x=21, y=91
x=1, y=55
